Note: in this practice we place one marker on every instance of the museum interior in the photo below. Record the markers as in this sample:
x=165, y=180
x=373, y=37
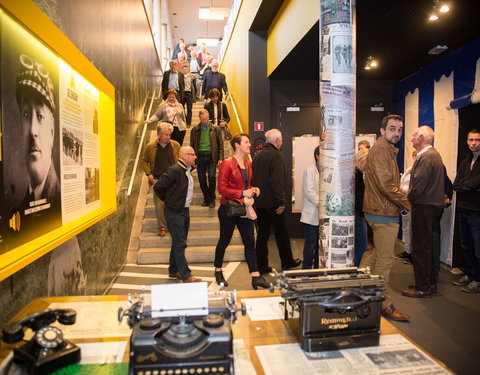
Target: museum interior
x=84, y=270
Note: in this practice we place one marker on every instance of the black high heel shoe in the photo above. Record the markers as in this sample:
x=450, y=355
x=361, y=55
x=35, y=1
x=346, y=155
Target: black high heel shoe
x=220, y=279
x=259, y=281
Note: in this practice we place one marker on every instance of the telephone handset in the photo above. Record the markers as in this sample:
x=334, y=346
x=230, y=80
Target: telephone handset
x=47, y=350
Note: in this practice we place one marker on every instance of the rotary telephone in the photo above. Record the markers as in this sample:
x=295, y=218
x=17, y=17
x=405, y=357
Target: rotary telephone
x=47, y=350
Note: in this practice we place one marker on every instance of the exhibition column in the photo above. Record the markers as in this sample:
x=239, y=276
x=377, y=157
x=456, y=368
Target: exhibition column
x=337, y=130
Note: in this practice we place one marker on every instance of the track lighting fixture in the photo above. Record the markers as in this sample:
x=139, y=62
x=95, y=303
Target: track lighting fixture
x=439, y=6
x=371, y=63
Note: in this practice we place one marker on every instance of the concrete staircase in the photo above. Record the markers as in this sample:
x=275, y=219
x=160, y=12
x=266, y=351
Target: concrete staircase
x=204, y=227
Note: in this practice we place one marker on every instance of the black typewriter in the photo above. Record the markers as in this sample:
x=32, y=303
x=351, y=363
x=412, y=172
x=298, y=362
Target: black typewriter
x=333, y=309
x=183, y=344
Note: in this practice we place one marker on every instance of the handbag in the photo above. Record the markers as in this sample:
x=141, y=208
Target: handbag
x=235, y=209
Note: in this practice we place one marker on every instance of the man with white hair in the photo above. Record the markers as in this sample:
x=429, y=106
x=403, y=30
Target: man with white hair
x=427, y=196
x=270, y=176
x=213, y=79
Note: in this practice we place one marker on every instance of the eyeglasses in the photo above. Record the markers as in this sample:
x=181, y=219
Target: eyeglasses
x=190, y=154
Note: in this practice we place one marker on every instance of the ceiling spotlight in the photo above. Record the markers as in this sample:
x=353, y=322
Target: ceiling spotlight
x=433, y=16
x=444, y=9
x=371, y=63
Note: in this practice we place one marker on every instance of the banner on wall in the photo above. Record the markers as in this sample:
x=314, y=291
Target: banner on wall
x=50, y=149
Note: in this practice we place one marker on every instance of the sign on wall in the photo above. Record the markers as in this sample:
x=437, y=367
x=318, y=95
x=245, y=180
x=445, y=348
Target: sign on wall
x=52, y=120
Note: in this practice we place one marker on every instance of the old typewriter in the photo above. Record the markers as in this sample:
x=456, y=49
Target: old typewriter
x=182, y=342
x=332, y=309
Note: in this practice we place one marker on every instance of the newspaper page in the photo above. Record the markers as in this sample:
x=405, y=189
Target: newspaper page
x=343, y=63
x=395, y=355
x=94, y=320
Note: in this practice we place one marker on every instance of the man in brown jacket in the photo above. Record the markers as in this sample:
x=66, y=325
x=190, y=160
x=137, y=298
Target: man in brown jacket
x=158, y=156
x=382, y=204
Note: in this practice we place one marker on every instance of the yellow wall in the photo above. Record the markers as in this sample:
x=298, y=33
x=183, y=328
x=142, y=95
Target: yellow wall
x=235, y=64
x=294, y=19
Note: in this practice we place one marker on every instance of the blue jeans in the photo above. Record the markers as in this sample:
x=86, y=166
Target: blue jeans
x=178, y=223
x=205, y=166
x=361, y=240
x=245, y=227
x=469, y=227
x=310, y=248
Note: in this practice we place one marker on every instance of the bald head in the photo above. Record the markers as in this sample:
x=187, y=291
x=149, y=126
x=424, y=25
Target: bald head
x=187, y=154
x=422, y=137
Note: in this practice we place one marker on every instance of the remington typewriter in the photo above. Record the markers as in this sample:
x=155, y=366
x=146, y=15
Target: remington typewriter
x=179, y=342
x=333, y=309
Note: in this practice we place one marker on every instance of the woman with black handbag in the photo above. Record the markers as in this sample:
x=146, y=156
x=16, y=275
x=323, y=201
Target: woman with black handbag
x=234, y=186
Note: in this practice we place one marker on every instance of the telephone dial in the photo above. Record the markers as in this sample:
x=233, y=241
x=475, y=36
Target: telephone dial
x=47, y=351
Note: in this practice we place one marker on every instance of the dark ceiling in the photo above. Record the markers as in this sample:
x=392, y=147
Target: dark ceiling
x=397, y=33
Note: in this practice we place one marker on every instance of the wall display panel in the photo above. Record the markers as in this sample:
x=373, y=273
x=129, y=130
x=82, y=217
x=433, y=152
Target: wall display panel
x=57, y=138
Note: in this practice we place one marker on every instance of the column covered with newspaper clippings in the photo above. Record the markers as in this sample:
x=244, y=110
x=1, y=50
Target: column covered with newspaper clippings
x=337, y=128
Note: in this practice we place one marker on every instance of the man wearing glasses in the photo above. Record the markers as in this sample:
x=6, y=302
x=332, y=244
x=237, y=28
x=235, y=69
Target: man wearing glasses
x=467, y=186
x=175, y=188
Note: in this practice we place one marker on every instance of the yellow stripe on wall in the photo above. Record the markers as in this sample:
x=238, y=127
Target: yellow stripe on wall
x=294, y=19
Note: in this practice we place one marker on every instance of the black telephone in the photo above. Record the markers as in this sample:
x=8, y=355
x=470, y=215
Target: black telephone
x=47, y=351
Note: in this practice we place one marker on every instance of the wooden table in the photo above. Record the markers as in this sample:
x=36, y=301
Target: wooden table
x=252, y=333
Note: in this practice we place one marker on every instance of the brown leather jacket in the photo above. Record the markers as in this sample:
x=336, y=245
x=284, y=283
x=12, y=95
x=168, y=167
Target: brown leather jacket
x=382, y=181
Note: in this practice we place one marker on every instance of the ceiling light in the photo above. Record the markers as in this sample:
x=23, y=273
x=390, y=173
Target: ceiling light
x=433, y=16
x=213, y=14
x=444, y=8
x=209, y=42
x=437, y=50
x=371, y=63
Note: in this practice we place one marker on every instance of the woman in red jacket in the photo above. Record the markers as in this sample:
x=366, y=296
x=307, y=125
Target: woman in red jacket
x=234, y=183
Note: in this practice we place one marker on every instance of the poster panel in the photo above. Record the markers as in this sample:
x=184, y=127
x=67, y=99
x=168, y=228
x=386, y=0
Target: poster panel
x=57, y=138
x=30, y=164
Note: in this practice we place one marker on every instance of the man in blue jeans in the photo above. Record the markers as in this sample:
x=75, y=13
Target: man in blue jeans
x=467, y=186
x=175, y=188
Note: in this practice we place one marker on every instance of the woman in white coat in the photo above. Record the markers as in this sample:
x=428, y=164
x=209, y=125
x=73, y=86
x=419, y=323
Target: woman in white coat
x=309, y=216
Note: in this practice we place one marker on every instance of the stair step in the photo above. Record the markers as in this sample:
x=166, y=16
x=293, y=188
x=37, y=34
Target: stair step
x=196, y=223
x=195, y=238
x=197, y=254
x=194, y=211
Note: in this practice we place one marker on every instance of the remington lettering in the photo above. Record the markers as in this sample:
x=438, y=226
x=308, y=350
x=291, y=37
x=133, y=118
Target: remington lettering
x=345, y=320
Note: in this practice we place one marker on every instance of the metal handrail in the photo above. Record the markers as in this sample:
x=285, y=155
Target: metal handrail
x=145, y=126
x=229, y=97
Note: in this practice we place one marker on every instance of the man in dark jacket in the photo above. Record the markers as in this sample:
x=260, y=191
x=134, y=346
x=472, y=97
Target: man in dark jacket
x=213, y=79
x=218, y=113
x=427, y=196
x=207, y=141
x=467, y=186
x=173, y=79
x=270, y=176
x=175, y=188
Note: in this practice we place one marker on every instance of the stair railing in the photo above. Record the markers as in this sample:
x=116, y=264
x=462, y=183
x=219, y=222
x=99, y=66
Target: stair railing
x=140, y=146
x=229, y=97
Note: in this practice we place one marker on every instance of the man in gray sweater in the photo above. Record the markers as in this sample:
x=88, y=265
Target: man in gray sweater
x=427, y=196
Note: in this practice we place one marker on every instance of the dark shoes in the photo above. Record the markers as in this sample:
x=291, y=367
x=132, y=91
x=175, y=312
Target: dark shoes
x=205, y=204
x=463, y=281
x=404, y=256
x=220, y=279
x=392, y=313
x=212, y=204
x=265, y=271
x=259, y=281
x=296, y=263
x=415, y=293
x=175, y=275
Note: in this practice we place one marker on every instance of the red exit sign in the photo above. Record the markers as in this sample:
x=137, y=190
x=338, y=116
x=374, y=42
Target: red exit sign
x=258, y=126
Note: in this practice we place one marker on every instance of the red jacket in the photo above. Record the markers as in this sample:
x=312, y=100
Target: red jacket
x=230, y=180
